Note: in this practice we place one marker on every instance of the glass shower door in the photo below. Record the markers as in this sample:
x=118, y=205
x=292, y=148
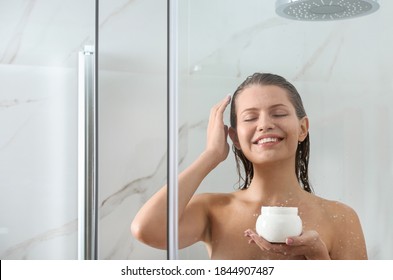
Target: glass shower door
x=132, y=120
x=342, y=69
x=38, y=120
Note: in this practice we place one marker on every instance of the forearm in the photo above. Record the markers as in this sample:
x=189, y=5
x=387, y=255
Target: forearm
x=150, y=221
x=191, y=178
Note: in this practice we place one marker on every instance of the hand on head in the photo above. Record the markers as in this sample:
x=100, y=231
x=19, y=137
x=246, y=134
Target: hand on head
x=217, y=131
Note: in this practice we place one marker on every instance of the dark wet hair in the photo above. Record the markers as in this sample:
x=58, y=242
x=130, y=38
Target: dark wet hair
x=303, y=149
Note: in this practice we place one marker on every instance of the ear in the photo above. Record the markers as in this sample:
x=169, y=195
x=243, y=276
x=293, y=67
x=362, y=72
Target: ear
x=304, y=126
x=233, y=135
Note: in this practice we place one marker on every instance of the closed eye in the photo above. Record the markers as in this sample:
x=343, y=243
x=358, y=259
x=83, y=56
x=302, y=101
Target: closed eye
x=280, y=115
x=250, y=119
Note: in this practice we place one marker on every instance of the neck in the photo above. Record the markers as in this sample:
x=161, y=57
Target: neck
x=275, y=184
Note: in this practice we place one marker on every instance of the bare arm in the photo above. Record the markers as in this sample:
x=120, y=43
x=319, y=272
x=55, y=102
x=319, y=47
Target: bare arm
x=150, y=226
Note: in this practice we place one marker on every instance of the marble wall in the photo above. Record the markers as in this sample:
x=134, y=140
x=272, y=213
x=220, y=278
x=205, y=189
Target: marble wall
x=39, y=48
x=343, y=71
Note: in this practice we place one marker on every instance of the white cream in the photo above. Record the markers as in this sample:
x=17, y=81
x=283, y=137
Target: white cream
x=276, y=223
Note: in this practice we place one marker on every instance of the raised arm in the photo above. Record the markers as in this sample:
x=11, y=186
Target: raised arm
x=150, y=224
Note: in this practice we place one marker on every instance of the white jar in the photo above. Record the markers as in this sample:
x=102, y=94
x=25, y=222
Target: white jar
x=277, y=223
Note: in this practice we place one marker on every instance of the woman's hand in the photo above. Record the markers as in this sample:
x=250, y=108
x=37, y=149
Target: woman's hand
x=217, y=132
x=308, y=244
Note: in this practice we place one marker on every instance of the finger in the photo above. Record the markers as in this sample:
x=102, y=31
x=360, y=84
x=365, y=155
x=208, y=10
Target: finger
x=216, y=108
x=219, y=108
x=261, y=242
x=307, y=237
x=278, y=248
x=217, y=112
x=248, y=232
x=223, y=105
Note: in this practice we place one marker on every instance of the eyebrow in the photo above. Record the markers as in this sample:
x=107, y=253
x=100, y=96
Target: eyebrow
x=256, y=109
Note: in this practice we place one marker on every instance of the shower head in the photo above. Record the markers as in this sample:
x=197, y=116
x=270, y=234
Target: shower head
x=324, y=10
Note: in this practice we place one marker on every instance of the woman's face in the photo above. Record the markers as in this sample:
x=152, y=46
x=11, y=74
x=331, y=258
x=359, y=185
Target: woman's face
x=267, y=126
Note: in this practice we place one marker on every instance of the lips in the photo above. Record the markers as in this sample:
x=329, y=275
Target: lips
x=267, y=139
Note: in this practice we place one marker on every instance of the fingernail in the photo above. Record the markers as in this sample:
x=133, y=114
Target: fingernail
x=289, y=241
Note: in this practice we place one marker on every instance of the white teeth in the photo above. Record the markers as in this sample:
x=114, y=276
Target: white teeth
x=267, y=140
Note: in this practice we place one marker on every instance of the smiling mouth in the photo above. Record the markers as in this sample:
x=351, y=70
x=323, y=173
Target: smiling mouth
x=268, y=140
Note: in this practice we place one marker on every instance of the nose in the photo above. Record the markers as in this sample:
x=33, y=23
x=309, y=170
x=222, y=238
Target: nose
x=265, y=123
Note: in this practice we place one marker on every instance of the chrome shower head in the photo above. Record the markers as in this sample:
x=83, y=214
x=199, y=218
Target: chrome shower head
x=324, y=10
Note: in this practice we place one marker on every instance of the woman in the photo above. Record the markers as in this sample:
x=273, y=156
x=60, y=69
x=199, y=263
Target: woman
x=269, y=131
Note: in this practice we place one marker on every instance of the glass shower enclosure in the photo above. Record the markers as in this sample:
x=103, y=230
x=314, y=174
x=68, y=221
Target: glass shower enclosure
x=343, y=70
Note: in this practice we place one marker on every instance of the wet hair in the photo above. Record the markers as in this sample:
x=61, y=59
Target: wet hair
x=303, y=149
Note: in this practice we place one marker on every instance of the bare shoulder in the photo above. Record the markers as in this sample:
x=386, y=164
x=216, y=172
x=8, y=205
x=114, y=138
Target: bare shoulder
x=347, y=237
x=335, y=208
x=337, y=212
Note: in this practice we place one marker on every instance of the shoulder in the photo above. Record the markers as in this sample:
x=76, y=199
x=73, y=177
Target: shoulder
x=338, y=212
x=331, y=208
x=335, y=213
x=347, y=238
x=343, y=218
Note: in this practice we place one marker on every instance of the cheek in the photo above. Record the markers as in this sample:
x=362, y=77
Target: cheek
x=293, y=145
x=292, y=131
x=244, y=134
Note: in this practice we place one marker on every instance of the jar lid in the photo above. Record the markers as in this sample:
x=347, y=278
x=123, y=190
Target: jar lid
x=266, y=210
